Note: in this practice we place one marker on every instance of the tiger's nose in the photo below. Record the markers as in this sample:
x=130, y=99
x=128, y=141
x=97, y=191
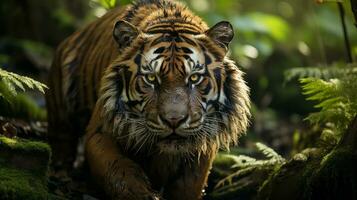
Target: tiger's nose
x=174, y=107
x=173, y=119
x=173, y=113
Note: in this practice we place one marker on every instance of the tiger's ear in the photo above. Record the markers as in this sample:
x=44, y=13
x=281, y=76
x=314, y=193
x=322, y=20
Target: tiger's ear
x=222, y=33
x=124, y=33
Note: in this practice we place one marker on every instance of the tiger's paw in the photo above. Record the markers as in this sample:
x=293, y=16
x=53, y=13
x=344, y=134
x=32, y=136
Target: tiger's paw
x=152, y=196
x=133, y=189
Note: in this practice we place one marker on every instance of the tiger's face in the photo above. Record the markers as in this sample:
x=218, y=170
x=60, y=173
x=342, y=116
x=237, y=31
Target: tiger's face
x=172, y=89
x=179, y=90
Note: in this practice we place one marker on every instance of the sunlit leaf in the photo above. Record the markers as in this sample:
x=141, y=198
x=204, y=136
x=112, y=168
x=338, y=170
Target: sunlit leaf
x=271, y=25
x=13, y=81
x=108, y=4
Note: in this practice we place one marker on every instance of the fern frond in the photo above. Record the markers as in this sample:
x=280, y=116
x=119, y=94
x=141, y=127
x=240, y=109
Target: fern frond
x=336, y=98
x=318, y=89
x=257, y=163
x=302, y=72
x=246, y=164
x=324, y=73
x=228, y=179
x=268, y=152
x=242, y=161
x=19, y=106
x=14, y=81
x=239, y=160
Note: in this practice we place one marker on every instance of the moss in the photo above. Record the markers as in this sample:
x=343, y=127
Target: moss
x=222, y=167
x=286, y=179
x=23, y=169
x=290, y=180
x=24, y=154
x=24, y=145
x=274, y=172
x=243, y=187
x=21, y=184
x=320, y=176
x=224, y=160
x=336, y=178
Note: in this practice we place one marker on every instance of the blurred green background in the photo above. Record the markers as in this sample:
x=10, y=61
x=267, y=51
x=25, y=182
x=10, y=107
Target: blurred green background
x=271, y=37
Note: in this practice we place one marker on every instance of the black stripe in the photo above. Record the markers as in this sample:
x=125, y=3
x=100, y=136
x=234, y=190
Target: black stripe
x=217, y=75
x=85, y=48
x=172, y=32
x=119, y=105
x=159, y=50
x=179, y=69
x=188, y=40
x=227, y=88
x=127, y=76
x=138, y=88
x=132, y=104
x=207, y=89
x=159, y=39
x=208, y=59
x=161, y=25
x=137, y=60
x=186, y=50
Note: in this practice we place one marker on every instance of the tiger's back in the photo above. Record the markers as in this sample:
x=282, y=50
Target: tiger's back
x=74, y=82
x=78, y=67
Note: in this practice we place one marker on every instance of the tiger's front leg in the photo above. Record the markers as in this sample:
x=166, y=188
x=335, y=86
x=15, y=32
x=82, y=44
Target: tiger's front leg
x=190, y=184
x=121, y=177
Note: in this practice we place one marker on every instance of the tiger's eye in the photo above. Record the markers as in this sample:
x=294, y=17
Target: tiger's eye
x=194, y=78
x=151, y=77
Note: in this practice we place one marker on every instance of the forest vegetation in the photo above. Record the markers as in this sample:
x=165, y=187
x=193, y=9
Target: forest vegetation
x=299, y=59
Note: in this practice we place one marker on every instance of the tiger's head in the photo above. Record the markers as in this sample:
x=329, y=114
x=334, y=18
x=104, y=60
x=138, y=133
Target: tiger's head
x=172, y=88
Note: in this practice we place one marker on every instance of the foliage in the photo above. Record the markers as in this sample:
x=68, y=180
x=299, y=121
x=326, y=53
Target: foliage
x=269, y=153
x=14, y=81
x=107, y=4
x=324, y=72
x=269, y=38
x=246, y=164
x=337, y=101
x=14, y=104
x=334, y=91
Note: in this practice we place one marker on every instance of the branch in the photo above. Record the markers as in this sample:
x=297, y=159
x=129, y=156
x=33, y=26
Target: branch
x=345, y=34
x=354, y=10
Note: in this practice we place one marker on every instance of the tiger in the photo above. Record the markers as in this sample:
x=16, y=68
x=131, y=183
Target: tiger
x=153, y=92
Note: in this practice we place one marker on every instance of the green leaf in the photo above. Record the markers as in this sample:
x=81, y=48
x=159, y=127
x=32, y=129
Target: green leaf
x=108, y=4
x=272, y=25
x=334, y=91
x=323, y=72
x=14, y=81
x=268, y=152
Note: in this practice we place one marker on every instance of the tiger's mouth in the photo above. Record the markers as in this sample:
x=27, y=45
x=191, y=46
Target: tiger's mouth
x=176, y=144
x=174, y=136
x=180, y=135
x=174, y=141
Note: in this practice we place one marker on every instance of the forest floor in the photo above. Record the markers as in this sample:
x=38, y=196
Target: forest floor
x=314, y=173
